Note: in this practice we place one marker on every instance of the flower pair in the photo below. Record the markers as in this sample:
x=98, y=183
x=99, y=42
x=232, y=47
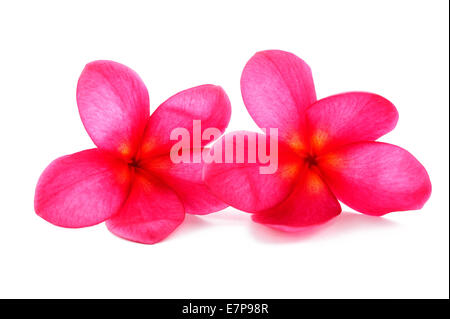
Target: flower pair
x=326, y=153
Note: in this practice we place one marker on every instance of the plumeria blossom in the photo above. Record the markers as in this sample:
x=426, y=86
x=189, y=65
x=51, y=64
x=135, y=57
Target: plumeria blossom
x=327, y=151
x=129, y=180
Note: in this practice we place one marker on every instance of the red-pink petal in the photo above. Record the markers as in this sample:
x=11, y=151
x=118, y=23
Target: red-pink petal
x=376, y=178
x=114, y=106
x=82, y=189
x=277, y=87
x=206, y=103
x=186, y=180
x=310, y=203
x=349, y=117
x=151, y=212
x=242, y=185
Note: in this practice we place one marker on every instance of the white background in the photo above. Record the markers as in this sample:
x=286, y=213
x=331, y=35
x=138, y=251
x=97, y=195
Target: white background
x=398, y=49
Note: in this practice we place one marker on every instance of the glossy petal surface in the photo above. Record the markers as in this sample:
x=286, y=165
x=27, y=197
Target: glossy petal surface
x=349, y=117
x=207, y=103
x=376, y=178
x=277, y=87
x=151, y=213
x=82, y=189
x=240, y=183
x=114, y=106
x=186, y=180
x=310, y=203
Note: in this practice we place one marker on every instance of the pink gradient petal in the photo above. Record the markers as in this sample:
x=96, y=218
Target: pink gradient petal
x=241, y=185
x=376, y=178
x=114, y=106
x=349, y=117
x=151, y=213
x=207, y=103
x=277, y=87
x=82, y=189
x=186, y=180
x=310, y=203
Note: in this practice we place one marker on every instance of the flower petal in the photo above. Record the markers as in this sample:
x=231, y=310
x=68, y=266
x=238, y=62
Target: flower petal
x=151, y=212
x=114, y=106
x=310, y=203
x=240, y=183
x=208, y=104
x=376, y=178
x=186, y=180
x=82, y=189
x=349, y=117
x=277, y=87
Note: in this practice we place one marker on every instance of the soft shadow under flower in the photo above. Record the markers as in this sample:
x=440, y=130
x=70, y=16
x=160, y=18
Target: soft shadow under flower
x=347, y=222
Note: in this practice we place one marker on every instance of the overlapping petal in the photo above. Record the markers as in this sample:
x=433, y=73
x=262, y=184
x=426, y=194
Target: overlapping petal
x=349, y=117
x=310, y=203
x=82, y=189
x=237, y=179
x=151, y=212
x=376, y=178
x=186, y=180
x=114, y=106
x=277, y=87
x=208, y=105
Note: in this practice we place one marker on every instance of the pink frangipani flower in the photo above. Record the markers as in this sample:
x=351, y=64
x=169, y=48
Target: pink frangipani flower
x=129, y=181
x=327, y=151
